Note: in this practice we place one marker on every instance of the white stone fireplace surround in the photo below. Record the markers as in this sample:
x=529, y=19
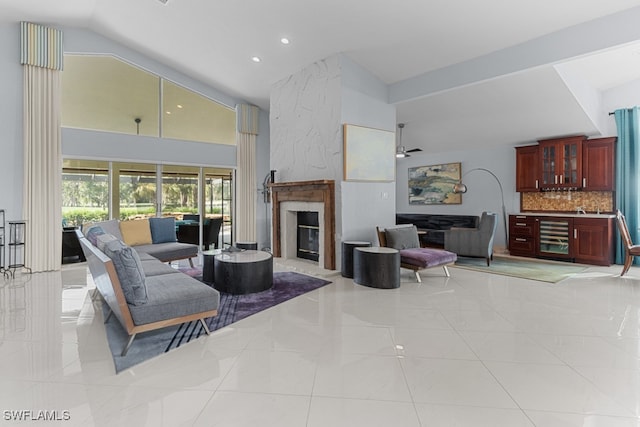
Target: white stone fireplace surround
x=289, y=227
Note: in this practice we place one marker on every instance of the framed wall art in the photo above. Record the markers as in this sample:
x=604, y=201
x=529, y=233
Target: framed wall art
x=433, y=185
x=369, y=154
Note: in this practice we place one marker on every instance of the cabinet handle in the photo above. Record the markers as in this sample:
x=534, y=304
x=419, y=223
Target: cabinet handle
x=561, y=179
x=520, y=240
x=575, y=233
x=537, y=184
x=584, y=182
x=555, y=177
x=521, y=216
x=521, y=224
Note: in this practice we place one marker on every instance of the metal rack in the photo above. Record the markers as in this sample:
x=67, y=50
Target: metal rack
x=16, y=247
x=3, y=270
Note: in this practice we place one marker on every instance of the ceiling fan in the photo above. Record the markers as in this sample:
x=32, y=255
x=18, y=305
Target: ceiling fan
x=401, y=151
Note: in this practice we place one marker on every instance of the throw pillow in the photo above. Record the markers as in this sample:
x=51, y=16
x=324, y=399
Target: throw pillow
x=93, y=233
x=402, y=237
x=136, y=232
x=163, y=229
x=103, y=239
x=129, y=270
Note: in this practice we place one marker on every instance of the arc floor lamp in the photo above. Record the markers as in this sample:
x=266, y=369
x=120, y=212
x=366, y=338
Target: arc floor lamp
x=461, y=188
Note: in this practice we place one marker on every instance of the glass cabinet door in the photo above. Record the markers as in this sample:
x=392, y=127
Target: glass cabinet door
x=570, y=165
x=548, y=165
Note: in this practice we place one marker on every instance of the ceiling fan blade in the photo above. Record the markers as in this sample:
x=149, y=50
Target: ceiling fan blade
x=413, y=150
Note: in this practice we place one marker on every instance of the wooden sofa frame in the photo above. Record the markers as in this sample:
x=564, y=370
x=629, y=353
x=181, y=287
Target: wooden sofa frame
x=107, y=283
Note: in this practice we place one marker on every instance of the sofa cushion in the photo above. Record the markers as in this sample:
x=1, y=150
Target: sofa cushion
x=136, y=232
x=93, y=233
x=103, y=239
x=129, y=270
x=402, y=237
x=169, y=251
x=174, y=295
x=425, y=257
x=163, y=230
x=155, y=267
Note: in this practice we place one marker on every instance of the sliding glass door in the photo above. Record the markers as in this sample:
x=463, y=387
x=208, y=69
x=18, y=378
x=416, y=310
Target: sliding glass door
x=98, y=190
x=136, y=191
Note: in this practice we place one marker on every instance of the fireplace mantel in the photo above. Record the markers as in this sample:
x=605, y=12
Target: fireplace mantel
x=322, y=191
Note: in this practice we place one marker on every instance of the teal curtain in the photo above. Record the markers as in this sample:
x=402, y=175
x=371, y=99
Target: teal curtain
x=627, y=174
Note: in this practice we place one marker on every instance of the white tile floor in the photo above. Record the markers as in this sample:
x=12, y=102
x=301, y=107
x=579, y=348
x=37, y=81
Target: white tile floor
x=470, y=350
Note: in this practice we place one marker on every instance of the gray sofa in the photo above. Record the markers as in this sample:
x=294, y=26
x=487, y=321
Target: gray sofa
x=155, y=236
x=141, y=291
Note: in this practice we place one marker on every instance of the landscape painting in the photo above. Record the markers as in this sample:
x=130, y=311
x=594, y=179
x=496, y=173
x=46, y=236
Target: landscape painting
x=433, y=185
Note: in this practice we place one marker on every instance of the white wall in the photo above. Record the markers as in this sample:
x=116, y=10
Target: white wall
x=624, y=96
x=308, y=110
x=366, y=205
x=11, y=129
x=483, y=190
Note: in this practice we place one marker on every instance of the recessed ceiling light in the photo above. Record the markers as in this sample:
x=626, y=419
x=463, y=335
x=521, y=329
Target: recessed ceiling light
x=179, y=106
x=255, y=59
x=168, y=112
x=284, y=40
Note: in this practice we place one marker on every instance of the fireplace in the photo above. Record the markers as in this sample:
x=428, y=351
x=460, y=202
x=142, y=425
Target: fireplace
x=290, y=198
x=308, y=236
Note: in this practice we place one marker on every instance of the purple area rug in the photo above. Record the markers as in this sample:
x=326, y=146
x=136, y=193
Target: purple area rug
x=286, y=285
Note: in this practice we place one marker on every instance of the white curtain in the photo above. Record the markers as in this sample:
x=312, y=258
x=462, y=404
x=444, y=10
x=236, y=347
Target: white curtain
x=42, y=206
x=246, y=188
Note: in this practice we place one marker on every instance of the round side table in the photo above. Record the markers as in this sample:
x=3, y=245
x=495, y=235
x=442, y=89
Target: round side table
x=377, y=267
x=207, y=264
x=347, y=256
x=247, y=245
x=243, y=272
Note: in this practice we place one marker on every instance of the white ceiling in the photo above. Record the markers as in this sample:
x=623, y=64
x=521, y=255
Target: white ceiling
x=402, y=42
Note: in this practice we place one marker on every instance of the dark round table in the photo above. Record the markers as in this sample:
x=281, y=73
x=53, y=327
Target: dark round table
x=243, y=272
x=247, y=245
x=208, y=264
x=377, y=267
x=347, y=256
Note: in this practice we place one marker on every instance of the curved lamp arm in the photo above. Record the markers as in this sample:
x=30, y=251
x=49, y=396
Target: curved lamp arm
x=461, y=188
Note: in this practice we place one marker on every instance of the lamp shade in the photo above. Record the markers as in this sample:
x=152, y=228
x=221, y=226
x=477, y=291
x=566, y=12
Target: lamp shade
x=459, y=188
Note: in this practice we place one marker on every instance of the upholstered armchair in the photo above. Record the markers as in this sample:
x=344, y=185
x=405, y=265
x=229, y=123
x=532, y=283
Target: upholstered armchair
x=473, y=242
x=404, y=238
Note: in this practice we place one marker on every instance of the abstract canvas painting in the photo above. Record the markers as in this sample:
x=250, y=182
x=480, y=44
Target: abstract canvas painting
x=433, y=185
x=369, y=154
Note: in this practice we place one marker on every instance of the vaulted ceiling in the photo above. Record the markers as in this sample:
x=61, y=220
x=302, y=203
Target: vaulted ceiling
x=462, y=74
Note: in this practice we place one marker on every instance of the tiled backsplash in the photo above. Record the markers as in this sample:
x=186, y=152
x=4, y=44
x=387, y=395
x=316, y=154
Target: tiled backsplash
x=567, y=201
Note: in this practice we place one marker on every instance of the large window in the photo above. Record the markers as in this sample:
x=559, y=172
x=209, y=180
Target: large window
x=101, y=92
x=95, y=191
x=85, y=191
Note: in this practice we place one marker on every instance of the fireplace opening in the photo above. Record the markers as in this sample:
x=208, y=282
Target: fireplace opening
x=308, y=239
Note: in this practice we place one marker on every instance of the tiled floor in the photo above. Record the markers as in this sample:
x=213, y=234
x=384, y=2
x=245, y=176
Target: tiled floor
x=470, y=350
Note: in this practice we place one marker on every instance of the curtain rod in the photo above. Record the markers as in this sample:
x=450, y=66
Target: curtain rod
x=611, y=113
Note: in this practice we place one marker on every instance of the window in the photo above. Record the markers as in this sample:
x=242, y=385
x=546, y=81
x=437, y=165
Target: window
x=101, y=92
x=85, y=192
